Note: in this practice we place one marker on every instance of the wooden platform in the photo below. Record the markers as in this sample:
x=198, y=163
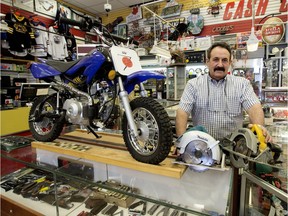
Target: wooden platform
x=105, y=137
x=112, y=156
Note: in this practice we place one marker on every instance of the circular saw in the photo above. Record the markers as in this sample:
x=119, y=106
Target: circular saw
x=244, y=143
x=198, y=150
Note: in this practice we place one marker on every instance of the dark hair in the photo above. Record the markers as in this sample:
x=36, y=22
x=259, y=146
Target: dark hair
x=219, y=44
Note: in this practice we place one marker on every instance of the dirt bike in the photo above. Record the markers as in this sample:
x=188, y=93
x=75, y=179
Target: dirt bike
x=85, y=91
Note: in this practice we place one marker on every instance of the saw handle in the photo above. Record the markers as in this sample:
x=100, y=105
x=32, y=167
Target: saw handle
x=258, y=131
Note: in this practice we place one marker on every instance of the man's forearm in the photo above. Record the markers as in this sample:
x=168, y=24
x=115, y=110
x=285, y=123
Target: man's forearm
x=256, y=114
x=181, y=122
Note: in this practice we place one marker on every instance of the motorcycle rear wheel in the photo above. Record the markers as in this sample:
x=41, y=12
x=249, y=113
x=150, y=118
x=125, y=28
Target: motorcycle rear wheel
x=155, y=131
x=47, y=129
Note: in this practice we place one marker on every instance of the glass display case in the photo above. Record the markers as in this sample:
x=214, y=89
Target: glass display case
x=275, y=101
x=263, y=189
x=176, y=81
x=72, y=178
x=263, y=195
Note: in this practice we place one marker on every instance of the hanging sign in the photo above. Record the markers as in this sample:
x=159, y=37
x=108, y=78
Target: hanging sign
x=135, y=14
x=273, y=30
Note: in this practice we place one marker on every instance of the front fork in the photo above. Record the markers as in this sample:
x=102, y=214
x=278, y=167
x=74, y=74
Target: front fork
x=125, y=101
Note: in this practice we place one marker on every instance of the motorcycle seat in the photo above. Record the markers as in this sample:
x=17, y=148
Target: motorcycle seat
x=61, y=66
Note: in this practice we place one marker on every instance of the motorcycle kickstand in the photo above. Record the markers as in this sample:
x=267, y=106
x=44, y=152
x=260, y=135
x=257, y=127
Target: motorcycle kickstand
x=93, y=132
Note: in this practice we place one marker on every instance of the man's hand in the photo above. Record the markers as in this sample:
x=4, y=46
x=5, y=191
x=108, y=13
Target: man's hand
x=265, y=132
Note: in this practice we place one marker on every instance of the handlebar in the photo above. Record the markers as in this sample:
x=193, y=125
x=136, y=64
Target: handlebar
x=121, y=39
x=86, y=24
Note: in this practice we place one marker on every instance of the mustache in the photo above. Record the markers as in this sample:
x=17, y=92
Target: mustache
x=219, y=68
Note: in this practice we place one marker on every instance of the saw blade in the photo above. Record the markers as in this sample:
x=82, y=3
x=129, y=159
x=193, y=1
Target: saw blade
x=240, y=146
x=198, y=153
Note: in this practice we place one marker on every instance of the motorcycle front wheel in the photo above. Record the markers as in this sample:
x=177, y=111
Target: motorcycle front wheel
x=49, y=126
x=154, y=128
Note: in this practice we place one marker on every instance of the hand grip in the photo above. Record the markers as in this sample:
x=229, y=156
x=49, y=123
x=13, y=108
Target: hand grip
x=71, y=22
x=258, y=130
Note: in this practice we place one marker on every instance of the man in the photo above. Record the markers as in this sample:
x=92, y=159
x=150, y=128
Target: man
x=217, y=100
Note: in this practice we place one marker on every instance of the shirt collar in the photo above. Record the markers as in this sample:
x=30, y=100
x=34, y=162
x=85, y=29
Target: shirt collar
x=210, y=79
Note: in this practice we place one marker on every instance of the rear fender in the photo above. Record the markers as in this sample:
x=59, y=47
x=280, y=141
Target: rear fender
x=42, y=70
x=140, y=76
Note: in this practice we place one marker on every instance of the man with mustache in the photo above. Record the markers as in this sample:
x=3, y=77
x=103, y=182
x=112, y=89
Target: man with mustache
x=217, y=100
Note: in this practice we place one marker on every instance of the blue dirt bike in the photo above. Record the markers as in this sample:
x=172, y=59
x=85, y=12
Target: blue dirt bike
x=85, y=92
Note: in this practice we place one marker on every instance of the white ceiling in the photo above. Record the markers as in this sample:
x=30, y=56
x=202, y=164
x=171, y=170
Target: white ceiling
x=97, y=6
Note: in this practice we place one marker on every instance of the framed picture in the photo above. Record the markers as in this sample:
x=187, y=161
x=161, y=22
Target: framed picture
x=24, y=4
x=65, y=11
x=171, y=11
x=122, y=30
x=78, y=16
x=47, y=7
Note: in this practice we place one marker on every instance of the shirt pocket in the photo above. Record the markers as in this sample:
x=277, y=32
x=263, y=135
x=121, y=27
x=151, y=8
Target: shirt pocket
x=201, y=103
x=234, y=105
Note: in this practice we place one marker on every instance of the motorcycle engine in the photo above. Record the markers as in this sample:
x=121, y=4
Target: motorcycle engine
x=74, y=111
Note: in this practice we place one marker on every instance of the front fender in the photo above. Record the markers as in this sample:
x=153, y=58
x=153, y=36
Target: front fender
x=140, y=76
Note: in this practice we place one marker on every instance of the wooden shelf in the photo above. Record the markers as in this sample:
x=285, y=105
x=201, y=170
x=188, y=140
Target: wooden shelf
x=15, y=60
x=11, y=207
x=14, y=71
x=114, y=156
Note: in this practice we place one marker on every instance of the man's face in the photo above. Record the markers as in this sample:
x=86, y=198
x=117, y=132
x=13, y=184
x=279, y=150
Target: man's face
x=218, y=63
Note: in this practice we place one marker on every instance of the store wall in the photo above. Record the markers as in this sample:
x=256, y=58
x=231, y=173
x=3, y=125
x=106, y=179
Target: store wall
x=235, y=14
x=7, y=8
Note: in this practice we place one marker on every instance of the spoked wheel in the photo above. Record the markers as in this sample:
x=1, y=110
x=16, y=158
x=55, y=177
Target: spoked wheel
x=44, y=124
x=154, y=128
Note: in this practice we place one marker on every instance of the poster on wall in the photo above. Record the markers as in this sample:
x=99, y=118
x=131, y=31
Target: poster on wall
x=47, y=7
x=244, y=36
x=135, y=14
x=24, y=4
x=65, y=11
x=230, y=39
x=77, y=16
x=171, y=9
x=122, y=30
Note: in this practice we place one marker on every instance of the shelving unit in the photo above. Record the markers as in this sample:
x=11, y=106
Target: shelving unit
x=276, y=99
x=15, y=69
x=175, y=81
